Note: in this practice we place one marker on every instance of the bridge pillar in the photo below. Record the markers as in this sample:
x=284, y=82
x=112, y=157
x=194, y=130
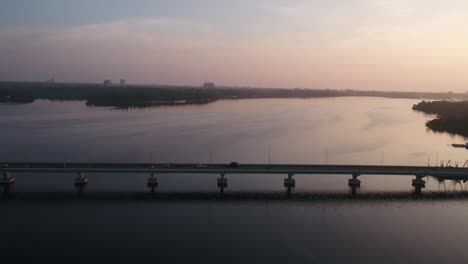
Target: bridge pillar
x=354, y=183
x=153, y=182
x=289, y=183
x=222, y=184
x=7, y=179
x=419, y=183
x=81, y=182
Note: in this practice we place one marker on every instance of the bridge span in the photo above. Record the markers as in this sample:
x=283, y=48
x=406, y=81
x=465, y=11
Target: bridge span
x=152, y=169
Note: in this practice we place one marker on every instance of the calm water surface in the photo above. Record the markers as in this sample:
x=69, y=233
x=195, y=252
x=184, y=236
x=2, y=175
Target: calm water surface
x=316, y=230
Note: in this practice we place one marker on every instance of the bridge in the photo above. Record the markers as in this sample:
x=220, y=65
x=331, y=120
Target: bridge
x=84, y=169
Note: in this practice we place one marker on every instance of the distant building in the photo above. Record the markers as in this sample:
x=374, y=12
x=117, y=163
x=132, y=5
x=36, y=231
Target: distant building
x=209, y=85
x=107, y=82
x=123, y=82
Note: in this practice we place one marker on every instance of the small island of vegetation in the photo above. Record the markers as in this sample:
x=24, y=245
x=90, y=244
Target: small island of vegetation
x=452, y=116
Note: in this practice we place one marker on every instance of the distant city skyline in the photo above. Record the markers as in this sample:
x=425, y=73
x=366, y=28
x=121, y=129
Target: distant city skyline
x=411, y=45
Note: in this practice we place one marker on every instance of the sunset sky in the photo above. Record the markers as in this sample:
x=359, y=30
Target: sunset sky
x=418, y=45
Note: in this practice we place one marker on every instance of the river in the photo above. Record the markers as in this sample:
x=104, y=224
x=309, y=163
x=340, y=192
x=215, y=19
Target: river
x=116, y=221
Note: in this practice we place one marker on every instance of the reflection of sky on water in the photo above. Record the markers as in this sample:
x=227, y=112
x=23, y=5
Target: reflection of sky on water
x=293, y=130
x=116, y=222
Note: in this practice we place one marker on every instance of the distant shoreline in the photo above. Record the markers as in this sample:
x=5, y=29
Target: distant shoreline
x=143, y=96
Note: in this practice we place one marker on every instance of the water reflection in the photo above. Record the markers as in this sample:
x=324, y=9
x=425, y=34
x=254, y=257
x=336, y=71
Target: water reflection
x=32, y=197
x=186, y=221
x=7, y=189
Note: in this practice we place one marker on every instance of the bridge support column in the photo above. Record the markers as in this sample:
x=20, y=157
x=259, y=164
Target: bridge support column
x=419, y=183
x=354, y=183
x=7, y=179
x=81, y=182
x=153, y=182
x=289, y=183
x=222, y=184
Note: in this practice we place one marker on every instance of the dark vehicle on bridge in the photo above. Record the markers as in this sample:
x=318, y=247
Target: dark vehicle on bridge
x=234, y=164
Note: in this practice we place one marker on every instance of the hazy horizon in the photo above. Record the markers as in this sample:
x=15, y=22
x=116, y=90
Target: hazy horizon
x=383, y=45
x=156, y=85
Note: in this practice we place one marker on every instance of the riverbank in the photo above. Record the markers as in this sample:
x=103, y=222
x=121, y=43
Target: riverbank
x=142, y=96
x=452, y=116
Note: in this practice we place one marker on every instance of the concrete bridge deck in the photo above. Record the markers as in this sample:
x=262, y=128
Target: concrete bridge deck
x=195, y=168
